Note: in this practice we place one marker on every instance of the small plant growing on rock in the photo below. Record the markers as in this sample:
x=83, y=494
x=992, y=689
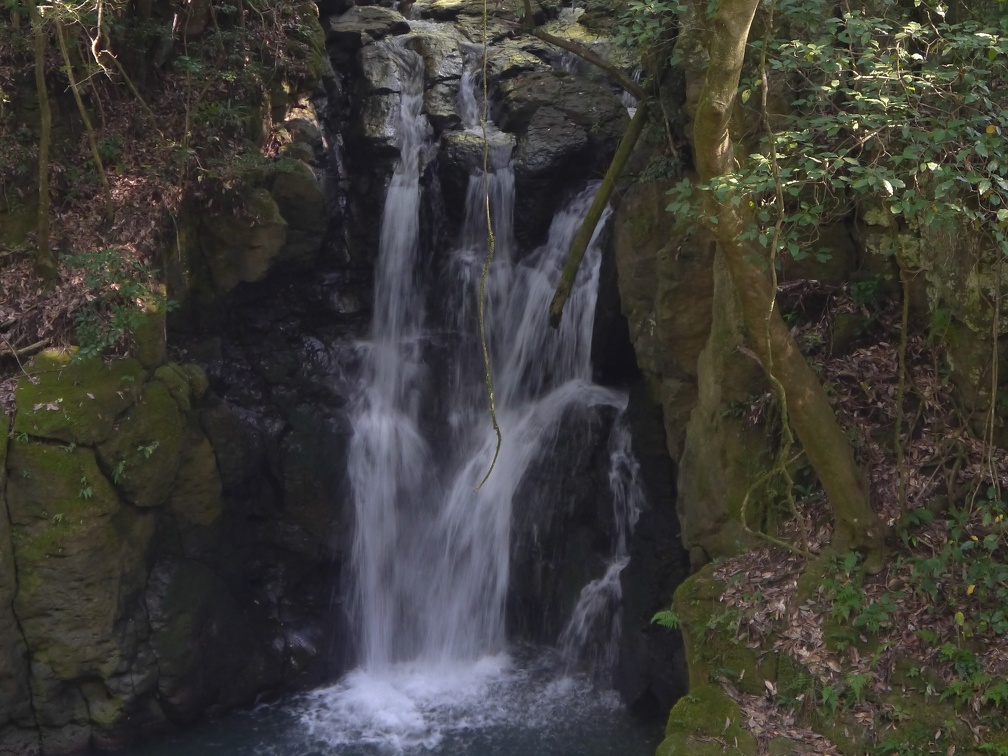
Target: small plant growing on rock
x=666, y=618
x=85, y=491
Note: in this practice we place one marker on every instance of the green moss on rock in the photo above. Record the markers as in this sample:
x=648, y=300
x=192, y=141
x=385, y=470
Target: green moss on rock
x=143, y=455
x=706, y=721
x=75, y=402
x=79, y=557
x=149, y=344
x=708, y=631
x=185, y=382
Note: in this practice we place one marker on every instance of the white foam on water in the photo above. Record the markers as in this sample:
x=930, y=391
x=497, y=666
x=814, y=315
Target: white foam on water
x=414, y=707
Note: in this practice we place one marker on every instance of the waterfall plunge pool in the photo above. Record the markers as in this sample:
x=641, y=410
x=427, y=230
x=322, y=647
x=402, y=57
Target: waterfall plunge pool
x=515, y=704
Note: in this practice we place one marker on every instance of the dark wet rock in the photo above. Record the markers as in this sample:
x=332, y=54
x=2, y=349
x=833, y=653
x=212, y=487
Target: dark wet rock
x=650, y=672
x=567, y=129
x=562, y=525
x=460, y=157
x=348, y=32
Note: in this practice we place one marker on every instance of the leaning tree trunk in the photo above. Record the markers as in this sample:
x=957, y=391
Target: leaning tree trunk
x=45, y=262
x=826, y=446
x=584, y=235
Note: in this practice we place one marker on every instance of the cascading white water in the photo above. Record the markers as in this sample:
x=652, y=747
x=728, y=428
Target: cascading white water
x=431, y=554
x=388, y=455
x=592, y=635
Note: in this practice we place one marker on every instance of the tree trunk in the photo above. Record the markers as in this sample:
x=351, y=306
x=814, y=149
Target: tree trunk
x=827, y=448
x=92, y=142
x=580, y=244
x=45, y=262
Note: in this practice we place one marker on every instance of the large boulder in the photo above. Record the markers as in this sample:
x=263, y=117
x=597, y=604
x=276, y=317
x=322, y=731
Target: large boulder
x=241, y=246
x=298, y=196
x=81, y=565
x=75, y=402
x=443, y=64
x=562, y=524
x=279, y=221
x=143, y=454
x=567, y=130
x=359, y=26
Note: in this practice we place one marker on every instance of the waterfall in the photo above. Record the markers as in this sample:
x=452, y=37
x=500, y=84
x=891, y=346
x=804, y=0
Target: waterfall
x=388, y=454
x=431, y=554
x=592, y=635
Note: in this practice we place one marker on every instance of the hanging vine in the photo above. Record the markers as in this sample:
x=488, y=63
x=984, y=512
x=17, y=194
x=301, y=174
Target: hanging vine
x=488, y=260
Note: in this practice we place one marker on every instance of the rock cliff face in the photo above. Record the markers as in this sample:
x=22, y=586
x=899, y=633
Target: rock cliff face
x=141, y=590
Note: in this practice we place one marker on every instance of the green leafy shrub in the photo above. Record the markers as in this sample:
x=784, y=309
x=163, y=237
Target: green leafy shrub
x=120, y=291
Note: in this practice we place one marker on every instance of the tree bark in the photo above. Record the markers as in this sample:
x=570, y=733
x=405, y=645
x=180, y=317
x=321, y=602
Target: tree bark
x=580, y=244
x=45, y=262
x=826, y=446
x=92, y=142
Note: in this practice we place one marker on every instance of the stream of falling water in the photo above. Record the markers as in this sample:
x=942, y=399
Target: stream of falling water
x=431, y=555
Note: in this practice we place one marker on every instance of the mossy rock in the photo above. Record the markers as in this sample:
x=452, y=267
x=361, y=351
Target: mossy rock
x=54, y=492
x=80, y=557
x=186, y=383
x=75, y=402
x=196, y=498
x=782, y=746
x=18, y=222
x=104, y=708
x=927, y=725
x=4, y=440
x=150, y=346
x=708, y=631
x=298, y=195
x=706, y=721
x=308, y=40
x=143, y=455
x=243, y=248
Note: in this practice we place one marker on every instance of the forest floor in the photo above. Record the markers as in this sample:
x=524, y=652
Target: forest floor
x=931, y=626
x=138, y=146
x=181, y=136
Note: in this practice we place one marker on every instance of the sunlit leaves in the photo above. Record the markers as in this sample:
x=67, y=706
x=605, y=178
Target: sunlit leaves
x=909, y=114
